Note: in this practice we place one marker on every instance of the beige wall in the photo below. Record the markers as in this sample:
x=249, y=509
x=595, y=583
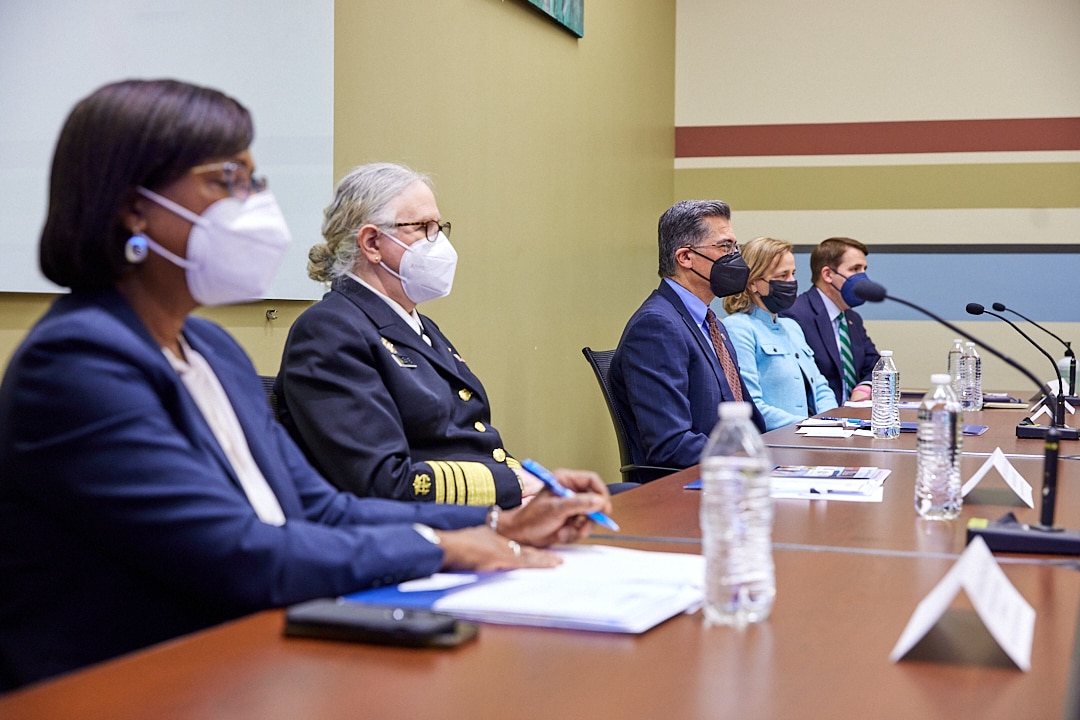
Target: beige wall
x=834, y=61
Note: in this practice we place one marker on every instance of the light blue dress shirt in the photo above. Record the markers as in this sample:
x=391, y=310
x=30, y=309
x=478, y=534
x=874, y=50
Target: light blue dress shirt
x=773, y=360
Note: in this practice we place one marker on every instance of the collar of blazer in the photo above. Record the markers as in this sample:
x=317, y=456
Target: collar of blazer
x=692, y=327
x=824, y=324
x=189, y=417
x=392, y=327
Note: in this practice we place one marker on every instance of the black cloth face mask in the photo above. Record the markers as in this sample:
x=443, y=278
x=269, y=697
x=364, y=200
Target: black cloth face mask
x=728, y=275
x=782, y=294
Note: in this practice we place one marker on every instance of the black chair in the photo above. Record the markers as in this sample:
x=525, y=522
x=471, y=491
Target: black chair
x=268, y=388
x=600, y=362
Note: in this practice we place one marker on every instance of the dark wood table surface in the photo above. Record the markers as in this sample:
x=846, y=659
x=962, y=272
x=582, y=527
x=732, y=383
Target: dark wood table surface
x=849, y=576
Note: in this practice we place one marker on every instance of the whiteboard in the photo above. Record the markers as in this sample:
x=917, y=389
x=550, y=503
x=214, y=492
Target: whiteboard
x=277, y=59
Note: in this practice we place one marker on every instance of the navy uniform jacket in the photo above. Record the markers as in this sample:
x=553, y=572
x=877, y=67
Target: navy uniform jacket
x=121, y=521
x=667, y=383
x=809, y=311
x=380, y=412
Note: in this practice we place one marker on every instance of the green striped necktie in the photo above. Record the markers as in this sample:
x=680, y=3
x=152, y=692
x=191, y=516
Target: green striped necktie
x=846, y=358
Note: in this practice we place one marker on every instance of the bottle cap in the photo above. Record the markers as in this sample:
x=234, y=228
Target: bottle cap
x=734, y=410
x=941, y=379
x=885, y=353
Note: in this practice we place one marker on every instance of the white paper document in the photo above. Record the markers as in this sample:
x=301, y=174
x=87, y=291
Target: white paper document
x=1011, y=475
x=597, y=587
x=828, y=482
x=1002, y=609
x=825, y=431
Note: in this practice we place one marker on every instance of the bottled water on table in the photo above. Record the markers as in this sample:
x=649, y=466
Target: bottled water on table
x=885, y=410
x=937, y=467
x=736, y=521
x=971, y=395
x=956, y=365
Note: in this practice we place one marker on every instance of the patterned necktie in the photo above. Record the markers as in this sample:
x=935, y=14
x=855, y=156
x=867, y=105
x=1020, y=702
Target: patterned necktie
x=728, y=365
x=846, y=358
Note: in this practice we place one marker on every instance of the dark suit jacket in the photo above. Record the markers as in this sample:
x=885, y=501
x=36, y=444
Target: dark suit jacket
x=380, y=412
x=809, y=311
x=667, y=383
x=122, y=522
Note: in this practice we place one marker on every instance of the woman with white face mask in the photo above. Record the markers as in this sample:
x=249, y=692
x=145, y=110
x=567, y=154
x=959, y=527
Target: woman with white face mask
x=145, y=489
x=380, y=400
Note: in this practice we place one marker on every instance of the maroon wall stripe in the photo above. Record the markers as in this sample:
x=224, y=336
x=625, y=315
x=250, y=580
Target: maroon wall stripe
x=879, y=137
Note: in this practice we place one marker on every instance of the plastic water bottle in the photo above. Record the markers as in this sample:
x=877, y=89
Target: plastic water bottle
x=885, y=411
x=937, y=466
x=956, y=364
x=736, y=521
x=971, y=397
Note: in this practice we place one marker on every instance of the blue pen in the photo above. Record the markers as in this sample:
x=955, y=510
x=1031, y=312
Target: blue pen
x=556, y=487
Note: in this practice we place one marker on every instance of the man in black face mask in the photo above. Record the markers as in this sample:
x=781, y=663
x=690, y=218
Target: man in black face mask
x=843, y=351
x=674, y=365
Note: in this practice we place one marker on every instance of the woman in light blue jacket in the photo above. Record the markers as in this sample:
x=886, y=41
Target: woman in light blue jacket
x=774, y=359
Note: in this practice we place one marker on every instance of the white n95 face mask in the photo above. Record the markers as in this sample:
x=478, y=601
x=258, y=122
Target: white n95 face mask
x=427, y=268
x=234, y=248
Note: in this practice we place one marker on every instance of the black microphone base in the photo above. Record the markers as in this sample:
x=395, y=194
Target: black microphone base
x=1008, y=535
x=1039, y=431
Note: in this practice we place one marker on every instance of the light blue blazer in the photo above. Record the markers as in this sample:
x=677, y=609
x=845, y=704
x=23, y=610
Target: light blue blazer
x=777, y=367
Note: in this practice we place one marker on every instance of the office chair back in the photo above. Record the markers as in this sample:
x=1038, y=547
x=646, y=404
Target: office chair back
x=600, y=362
x=268, y=388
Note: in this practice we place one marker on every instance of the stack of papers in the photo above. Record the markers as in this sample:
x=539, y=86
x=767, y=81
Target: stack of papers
x=600, y=588
x=829, y=482
x=824, y=482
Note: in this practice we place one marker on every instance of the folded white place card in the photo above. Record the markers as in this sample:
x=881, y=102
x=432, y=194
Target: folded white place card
x=1002, y=609
x=1011, y=475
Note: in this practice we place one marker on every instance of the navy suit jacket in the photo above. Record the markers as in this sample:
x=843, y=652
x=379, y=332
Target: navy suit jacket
x=122, y=522
x=380, y=412
x=809, y=311
x=667, y=383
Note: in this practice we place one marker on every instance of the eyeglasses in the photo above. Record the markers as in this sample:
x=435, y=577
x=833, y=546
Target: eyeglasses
x=432, y=228
x=728, y=246
x=237, y=180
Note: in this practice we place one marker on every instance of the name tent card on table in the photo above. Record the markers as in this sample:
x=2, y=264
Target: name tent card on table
x=1005, y=613
x=1011, y=475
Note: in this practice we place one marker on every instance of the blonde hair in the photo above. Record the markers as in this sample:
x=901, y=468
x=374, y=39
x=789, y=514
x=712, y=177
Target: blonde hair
x=759, y=254
x=361, y=197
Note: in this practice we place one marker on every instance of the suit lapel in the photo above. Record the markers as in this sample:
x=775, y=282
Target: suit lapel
x=825, y=329
x=695, y=331
x=393, y=327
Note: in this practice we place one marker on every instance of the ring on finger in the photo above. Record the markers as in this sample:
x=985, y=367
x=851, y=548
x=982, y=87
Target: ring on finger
x=514, y=547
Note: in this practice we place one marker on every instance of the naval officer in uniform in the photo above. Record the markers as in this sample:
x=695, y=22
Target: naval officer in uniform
x=377, y=396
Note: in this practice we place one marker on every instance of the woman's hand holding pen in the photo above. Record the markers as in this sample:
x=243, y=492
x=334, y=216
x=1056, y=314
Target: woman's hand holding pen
x=520, y=533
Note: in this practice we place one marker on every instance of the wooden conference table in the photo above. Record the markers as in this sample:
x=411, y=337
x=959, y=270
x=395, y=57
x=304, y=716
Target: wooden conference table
x=849, y=576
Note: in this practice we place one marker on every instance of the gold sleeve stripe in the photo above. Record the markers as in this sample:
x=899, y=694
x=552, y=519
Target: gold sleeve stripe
x=463, y=483
x=512, y=463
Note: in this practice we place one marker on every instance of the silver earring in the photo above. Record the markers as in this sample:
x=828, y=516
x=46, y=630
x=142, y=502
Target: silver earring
x=136, y=249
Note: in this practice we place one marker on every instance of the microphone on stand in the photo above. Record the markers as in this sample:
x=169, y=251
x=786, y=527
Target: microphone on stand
x=1059, y=406
x=1008, y=535
x=1000, y=307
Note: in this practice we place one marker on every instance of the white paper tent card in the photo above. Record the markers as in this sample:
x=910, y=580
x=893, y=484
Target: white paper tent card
x=1011, y=475
x=1008, y=617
